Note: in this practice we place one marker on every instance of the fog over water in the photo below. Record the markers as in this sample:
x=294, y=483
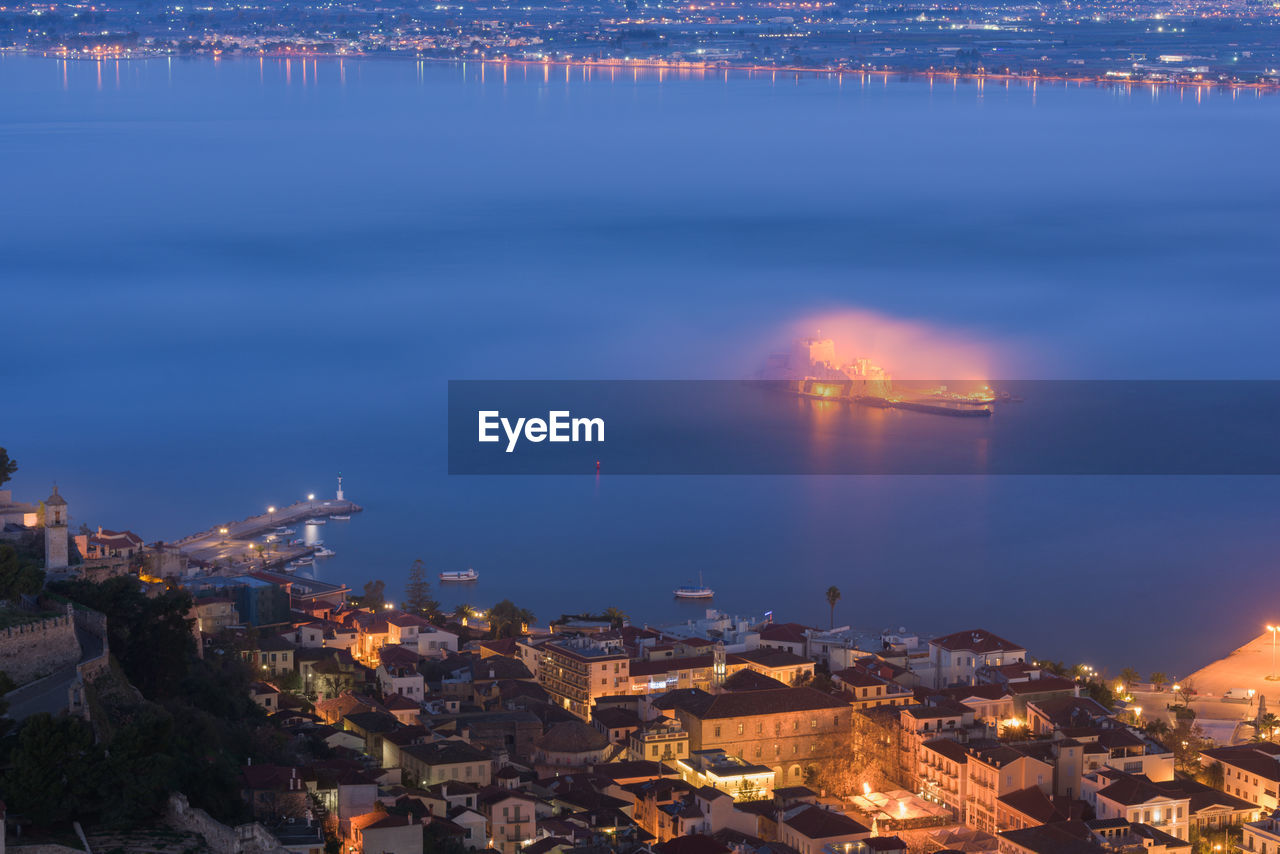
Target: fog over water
x=223, y=283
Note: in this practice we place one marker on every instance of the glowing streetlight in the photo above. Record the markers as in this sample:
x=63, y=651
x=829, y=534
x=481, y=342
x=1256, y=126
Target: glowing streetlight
x=1274, y=630
x=311, y=496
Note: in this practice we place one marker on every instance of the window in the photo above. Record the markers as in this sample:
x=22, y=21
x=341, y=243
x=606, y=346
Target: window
x=717, y=730
x=740, y=728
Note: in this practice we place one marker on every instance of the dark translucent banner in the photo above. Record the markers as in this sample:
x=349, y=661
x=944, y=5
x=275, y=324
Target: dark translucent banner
x=1055, y=427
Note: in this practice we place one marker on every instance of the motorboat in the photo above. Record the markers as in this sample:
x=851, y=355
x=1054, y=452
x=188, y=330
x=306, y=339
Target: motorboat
x=462, y=576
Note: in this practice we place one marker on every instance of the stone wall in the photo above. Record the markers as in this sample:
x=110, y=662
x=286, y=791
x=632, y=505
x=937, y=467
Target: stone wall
x=250, y=838
x=32, y=650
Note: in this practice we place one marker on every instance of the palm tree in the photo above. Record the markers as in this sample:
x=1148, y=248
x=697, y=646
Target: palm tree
x=1265, y=726
x=615, y=617
x=507, y=620
x=833, y=596
x=462, y=612
x=1128, y=676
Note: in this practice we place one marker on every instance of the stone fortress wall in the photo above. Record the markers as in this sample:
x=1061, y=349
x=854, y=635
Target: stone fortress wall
x=31, y=650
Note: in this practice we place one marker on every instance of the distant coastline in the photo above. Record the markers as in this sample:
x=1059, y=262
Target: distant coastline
x=692, y=69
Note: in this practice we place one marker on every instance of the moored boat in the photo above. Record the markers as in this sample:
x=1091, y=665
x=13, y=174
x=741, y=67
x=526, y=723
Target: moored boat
x=694, y=591
x=316, y=521
x=341, y=517
x=325, y=552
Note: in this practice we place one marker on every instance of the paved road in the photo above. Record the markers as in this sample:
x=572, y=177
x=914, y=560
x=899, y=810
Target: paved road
x=52, y=694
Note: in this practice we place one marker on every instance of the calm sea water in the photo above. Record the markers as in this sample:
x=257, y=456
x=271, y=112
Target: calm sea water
x=223, y=282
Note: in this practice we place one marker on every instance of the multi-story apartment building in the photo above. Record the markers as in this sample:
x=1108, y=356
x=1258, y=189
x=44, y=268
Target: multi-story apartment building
x=511, y=819
x=1249, y=771
x=440, y=761
x=1134, y=798
x=661, y=740
x=1261, y=837
x=942, y=774
x=790, y=730
x=576, y=670
x=922, y=722
x=993, y=772
x=955, y=659
x=671, y=674
x=1118, y=747
x=867, y=690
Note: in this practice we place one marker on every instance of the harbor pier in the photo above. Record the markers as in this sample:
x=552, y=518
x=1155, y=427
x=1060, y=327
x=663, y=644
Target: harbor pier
x=243, y=543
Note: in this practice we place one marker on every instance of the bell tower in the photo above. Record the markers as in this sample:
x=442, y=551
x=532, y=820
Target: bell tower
x=55, y=531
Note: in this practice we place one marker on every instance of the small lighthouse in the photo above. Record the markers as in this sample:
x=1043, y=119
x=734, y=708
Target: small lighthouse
x=340, y=498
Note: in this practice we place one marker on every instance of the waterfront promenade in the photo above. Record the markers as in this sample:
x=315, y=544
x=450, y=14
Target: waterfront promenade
x=235, y=542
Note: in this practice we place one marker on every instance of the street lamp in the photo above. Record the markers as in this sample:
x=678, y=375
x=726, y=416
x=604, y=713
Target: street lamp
x=1274, y=630
x=311, y=496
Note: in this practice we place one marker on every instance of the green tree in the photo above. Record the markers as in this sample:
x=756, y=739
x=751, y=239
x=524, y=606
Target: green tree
x=139, y=768
x=53, y=771
x=151, y=636
x=507, y=620
x=1214, y=775
x=417, y=593
x=1157, y=728
x=462, y=611
x=833, y=596
x=615, y=616
x=19, y=574
x=6, y=685
x=374, y=596
x=1159, y=679
x=7, y=467
x=1129, y=677
x=1187, y=741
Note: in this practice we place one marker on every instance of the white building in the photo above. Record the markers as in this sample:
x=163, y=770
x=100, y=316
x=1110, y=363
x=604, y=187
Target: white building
x=956, y=658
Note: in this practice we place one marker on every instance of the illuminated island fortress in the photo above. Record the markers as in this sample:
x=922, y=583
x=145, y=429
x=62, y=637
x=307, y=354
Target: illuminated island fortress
x=812, y=370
